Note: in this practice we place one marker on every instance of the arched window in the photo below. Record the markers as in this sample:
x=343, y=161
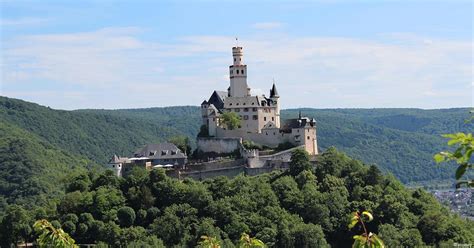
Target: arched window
x=242, y=71
x=237, y=71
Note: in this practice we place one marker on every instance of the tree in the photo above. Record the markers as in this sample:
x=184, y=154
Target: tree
x=231, y=120
x=182, y=142
x=126, y=216
x=15, y=226
x=299, y=162
x=462, y=155
x=203, y=131
x=49, y=236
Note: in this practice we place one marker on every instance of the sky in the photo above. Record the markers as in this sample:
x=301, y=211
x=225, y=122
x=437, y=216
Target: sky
x=321, y=54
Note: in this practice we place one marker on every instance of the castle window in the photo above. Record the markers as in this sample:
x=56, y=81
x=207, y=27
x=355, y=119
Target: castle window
x=254, y=109
x=273, y=118
x=255, y=117
x=230, y=104
x=237, y=71
x=246, y=109
x=246, y=117
x=266, y=133
x=308, y=137
x=264, y=118
x=253, y=103
x=242, y=71
x=237, y=110
x=240, y=59
x=244, y=103
x=274, y=133
x=163, y=152
x=235, y=59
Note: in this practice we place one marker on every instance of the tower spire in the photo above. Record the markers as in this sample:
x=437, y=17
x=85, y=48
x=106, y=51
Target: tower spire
x=273, y=91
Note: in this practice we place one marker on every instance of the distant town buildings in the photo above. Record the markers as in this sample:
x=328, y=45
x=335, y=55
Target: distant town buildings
x=458, y=200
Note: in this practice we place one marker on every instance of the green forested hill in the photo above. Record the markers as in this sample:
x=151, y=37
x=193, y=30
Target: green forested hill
x=400, y=141
x=32, y=170
x=96, y=135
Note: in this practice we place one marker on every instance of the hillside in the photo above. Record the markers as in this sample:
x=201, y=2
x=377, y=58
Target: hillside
x=400, y=141
x=31, y=170
x=95, y=135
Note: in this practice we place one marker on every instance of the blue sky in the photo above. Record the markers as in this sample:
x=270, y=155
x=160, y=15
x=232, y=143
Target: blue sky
x=321, y=54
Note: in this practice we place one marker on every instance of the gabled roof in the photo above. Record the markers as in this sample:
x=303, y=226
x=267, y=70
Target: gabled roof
x=164, y=150
x=299, y=123
x=217, y=98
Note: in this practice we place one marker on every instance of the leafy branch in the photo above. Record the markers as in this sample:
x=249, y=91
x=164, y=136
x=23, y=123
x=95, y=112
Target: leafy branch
x=366, y=239
x=461, y=155
x=49, y=236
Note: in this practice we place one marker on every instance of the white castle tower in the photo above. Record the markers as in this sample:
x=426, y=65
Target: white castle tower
x=238, y=75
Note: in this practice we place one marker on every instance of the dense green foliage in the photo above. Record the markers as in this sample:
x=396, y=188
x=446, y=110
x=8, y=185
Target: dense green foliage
x=303, y=207
x=95, y=135
x=231, y=120
x=32, y=170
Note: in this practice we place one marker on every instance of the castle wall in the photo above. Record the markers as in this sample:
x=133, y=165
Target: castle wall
x=220, y=145
x=270, y=137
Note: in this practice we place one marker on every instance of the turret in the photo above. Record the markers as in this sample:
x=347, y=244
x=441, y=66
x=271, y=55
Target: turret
x=274, y=92
x=238, y=74
x=275, y=101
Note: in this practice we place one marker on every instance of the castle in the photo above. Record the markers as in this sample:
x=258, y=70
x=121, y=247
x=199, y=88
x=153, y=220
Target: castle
x=258, y=122
x=259, y=115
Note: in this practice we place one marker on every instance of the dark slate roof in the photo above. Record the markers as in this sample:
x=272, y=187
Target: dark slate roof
x=160, y=151
x=273, y=91
x=299, y=123
x=217, y=98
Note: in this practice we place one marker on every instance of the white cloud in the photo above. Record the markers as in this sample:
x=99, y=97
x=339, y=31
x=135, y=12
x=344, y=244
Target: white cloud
x=267, y=25
x=114, y=67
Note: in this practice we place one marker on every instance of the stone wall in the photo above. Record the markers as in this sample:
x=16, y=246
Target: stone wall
x=218, y=145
